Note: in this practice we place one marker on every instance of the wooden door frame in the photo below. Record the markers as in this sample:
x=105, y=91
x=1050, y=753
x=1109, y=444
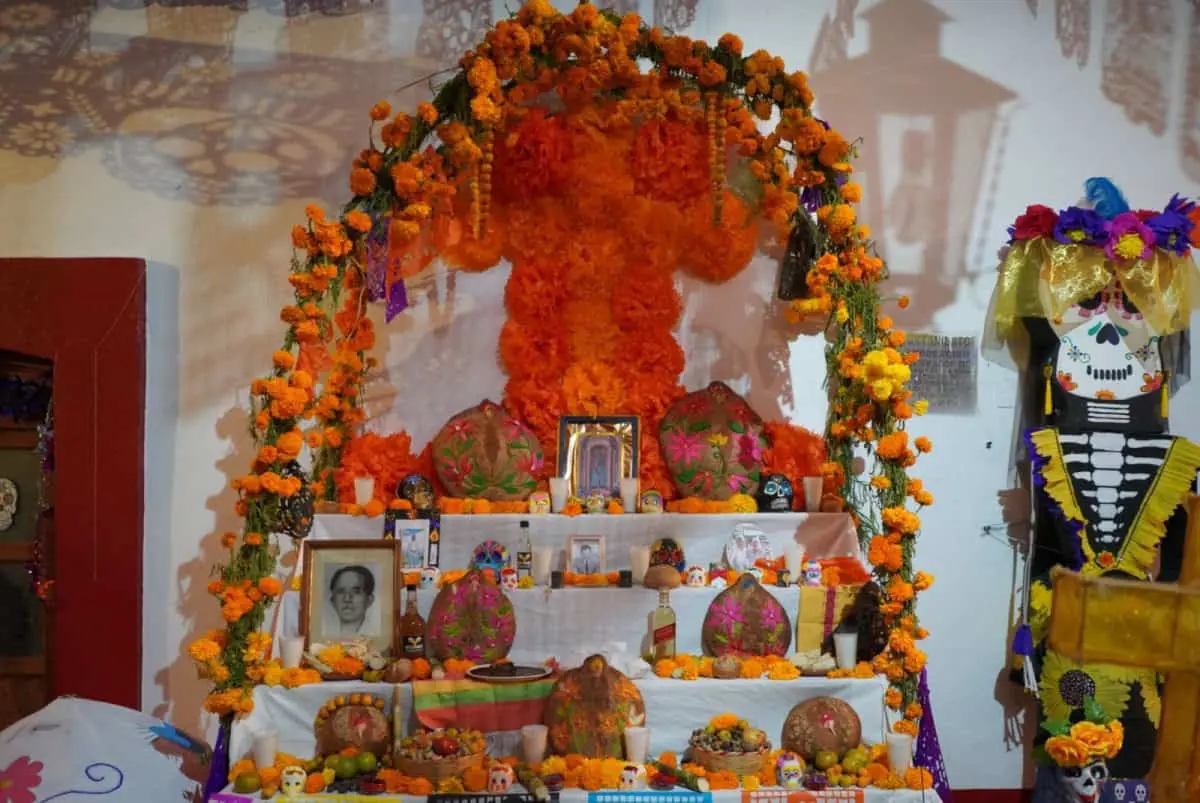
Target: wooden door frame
x=88, y=317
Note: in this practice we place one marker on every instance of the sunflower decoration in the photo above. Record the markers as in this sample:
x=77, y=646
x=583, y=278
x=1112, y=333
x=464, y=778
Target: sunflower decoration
x=1067, y=684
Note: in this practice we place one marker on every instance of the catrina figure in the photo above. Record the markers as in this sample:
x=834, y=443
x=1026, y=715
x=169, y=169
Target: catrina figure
x=1092, y=307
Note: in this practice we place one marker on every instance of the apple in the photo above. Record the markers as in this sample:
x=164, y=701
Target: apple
x=445, y=746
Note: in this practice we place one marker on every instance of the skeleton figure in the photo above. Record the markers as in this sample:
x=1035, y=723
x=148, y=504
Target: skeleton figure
x=1083, y=784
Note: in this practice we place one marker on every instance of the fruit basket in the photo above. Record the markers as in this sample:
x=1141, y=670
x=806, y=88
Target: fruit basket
x=729, y=743
x=439, y=755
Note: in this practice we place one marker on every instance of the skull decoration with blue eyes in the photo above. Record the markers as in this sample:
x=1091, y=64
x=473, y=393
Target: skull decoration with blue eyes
x=490, y=555
x=775, y=494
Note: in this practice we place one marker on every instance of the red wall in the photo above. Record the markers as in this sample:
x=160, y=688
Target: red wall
x=89, y=317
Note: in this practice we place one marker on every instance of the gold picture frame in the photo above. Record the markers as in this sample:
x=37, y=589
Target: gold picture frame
x=596, y=452
x=365, y=576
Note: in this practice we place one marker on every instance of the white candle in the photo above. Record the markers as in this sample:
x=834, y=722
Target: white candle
x=558, y=494
x=637, y=744
x=639, y=562
x=541, y=566
x=900, y=752
x=845, y=647
x=291, y=650
x=813, y=487
x=266, y=745
x=364, y=490
x=793, y=557
x=629, y=494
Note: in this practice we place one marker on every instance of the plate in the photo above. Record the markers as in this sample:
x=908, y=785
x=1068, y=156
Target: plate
x=508, y=673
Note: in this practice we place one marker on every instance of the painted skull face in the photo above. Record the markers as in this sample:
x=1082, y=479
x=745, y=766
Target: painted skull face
x=1107, y=353
x=652, y=502
x=539, y=503
x=633, y=777
x=811, y=573
x=508, y=579
x=1083, y=784
x=790, y=771
x=500, y=779
x=775, y=494
x=429, y=577
x=696, y=576
x=291, y=781
x=490, y=555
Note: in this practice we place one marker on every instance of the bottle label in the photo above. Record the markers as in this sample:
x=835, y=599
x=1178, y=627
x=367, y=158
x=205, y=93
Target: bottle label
x=664, y=634
x=524, y=563
x=414, y=646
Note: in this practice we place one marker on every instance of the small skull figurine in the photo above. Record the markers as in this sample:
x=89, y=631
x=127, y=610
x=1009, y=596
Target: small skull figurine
x=291, y=782
x=500, y=779
x=719, y=583
x=633, y=778
x=539, y=503
x=1084, y=784
x=652, y=502
x=508, y=579
x=789, y=770
x=811, y=573
x=696, y=576
x=429, y=577
x=775, y=494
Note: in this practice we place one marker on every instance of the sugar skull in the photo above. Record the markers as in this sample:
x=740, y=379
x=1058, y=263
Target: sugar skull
x=1084, y=784
x=775, y=494
x=291, y=782
x=508, y=578
x=500, y=779
x=790, y=770
x=696, y=576
x=633, y=778
x=429, y=577
x=539, y=503
x=418, y=490
x=811, y=573
x=719, y=583
x=652, y=502
x=490, y=555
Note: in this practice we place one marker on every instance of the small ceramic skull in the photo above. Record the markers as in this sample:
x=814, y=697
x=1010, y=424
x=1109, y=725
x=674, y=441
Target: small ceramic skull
x=775, y=494
x=1084, y=784
x=597, y=502
x=652, y=502
x=500, y=779
x=291, y=782
x=789, y=771
x=539, y=503
x=429, y=577
x=633, y=778
x=811, y=573
x=508, y=579
x=696, y=576
x=719, y=583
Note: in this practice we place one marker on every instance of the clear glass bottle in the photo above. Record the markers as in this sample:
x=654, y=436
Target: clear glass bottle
x=662, y=626
x=524, y=554
x=412, y=627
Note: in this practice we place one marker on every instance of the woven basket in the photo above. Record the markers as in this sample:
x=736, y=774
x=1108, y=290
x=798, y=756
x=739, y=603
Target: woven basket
x=739, y=764
x=438, y=770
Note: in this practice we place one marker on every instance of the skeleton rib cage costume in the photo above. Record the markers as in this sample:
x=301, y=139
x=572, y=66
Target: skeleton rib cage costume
x=1109, y=479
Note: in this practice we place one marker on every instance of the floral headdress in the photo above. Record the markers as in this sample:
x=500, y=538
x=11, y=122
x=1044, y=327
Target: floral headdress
x=1093, y=739
x=1059, y=258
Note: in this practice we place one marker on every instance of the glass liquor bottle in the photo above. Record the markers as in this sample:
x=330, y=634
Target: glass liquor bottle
x=662, y=625
x=524, y=554
x=412, y=627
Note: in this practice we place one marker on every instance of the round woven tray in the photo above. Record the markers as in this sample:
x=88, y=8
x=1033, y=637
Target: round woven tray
x=739, y=764
x=438, y=770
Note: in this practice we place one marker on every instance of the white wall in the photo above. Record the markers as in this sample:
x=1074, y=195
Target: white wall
x=217, y=273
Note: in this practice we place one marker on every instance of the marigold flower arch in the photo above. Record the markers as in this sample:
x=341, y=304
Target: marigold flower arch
x=553, y=148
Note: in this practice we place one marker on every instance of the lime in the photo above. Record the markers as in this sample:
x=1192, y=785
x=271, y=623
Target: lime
x=346, y=768
x=366, y=763
x=331, y=762
x=247, y=782
x=824, y=759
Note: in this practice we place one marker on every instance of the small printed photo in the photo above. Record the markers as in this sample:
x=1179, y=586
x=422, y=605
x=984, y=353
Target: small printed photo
x=586, y=554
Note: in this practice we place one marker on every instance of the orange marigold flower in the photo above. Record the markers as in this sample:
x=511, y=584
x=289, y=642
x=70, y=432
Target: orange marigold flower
x=427, y=112
x=923, y=444
x=359, y=221
x=381, y=111
x=362, y=181
x=270, y=587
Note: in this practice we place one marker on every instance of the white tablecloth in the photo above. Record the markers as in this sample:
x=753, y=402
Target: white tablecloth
x=674, y=708
x=571, y=623
x=678, y=796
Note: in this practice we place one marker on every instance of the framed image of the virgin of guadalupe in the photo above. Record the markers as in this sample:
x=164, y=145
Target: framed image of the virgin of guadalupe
x=596, y=453
x=349, y=590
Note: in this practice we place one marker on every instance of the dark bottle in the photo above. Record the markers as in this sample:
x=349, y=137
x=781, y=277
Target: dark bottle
x=412, y=627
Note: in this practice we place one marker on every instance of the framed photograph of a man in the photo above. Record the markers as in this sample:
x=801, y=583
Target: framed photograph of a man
x=585, y=554
x=350, y=589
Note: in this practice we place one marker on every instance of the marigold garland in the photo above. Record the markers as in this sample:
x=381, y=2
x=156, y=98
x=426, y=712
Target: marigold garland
x=595, y=207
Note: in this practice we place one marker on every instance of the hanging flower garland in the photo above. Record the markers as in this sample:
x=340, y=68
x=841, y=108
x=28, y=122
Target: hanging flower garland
x=596, y=197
